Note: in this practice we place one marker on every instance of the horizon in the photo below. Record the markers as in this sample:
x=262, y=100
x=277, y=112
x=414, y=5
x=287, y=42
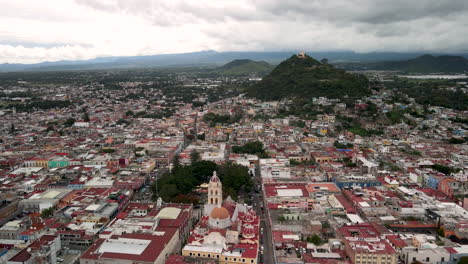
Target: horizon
x=292, y=52
x=56, y=30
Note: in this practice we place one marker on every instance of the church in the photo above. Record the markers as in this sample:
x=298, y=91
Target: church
x=228, y=232
x=221, y=213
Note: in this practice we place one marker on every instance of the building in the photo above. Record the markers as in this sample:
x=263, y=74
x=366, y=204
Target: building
x=364, y=245
x=127, y=248
x=43, y=250
x=227, y=233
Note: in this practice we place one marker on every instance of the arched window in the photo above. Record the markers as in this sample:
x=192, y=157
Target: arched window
x=211, y=200
x=216, y=192
x=216, y=200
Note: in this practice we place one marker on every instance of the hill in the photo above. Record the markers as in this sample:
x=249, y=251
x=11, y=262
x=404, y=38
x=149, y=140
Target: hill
x=303, y=76
x=208, y=58
x=244, y=67
x=426, y=64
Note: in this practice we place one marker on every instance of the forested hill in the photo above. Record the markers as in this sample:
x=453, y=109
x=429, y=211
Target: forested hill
x=245, y=67
x=426, y=64
x=303, y=76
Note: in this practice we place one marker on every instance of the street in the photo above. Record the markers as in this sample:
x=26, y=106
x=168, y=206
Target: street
x=268, y=250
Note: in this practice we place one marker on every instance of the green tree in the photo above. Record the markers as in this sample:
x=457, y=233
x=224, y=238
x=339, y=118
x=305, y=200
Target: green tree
x=69, y=122
x=12, y=128
x=456, y=141
x=86, y=117
x=48, y=212
x=315, y=239
x=194, y=156
x=463, y=260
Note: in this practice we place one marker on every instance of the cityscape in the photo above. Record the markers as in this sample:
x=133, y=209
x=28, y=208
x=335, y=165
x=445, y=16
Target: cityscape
x=295, y=155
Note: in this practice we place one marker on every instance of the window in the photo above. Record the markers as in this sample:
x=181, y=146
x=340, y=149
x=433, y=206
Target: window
x=198, y=254
x=209, y=255
x=442, y=259
x=225, y=258
x=234, y=259
x=190, y=254
x=243, y=260
x=427, y=259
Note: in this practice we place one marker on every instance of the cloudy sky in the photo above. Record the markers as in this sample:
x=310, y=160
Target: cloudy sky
x=49, y=30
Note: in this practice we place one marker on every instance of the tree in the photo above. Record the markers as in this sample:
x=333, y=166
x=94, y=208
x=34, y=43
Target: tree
x=86, y=117
x=48, y=212
x=255, y=147
x=69, y=122
x=463, y=260
x=194, y=156
x=315, y=239
x=456, y=141
x=203, y=169
x=176, y=163
x=201, y=136
x=123, y=121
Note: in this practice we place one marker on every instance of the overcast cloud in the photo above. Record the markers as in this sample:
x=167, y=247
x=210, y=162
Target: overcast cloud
x=49, y=30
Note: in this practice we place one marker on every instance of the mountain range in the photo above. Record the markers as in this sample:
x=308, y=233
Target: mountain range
x=425, y=64
x=204, y=58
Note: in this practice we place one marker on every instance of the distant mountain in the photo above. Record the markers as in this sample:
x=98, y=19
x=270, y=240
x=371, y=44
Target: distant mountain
x=427, y=64
x=203, y=58
x=303, y=76
x=245, y=67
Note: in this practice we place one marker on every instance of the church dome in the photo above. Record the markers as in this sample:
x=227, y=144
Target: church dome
x=248, y=231
x=215, y=177
x=249, y=217
x=219, y=213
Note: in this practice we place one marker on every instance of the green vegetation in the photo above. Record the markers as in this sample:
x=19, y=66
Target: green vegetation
x=446, y=93
x=456, y=141
x=183, y=179
x=338, y=145
x=363, y=132
x=123, y=121
x=69, y=122
x=315, y=239
x=255, y=147
x=48, y=212
x=444, y=169
x=214, y=119
x=194, y=156
x=463, y=260
x=426, y=64
x=307, y=78
x=244, y=67
x=395, y=116
x=294, y=162
x=297, y=123
x=411, y=151
x=460, y=121
x=107, y=150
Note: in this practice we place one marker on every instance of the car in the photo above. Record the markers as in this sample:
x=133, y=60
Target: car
x=60, y=260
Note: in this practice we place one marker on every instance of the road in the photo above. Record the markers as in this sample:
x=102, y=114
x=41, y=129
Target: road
x=145, y=194
x=268, y=250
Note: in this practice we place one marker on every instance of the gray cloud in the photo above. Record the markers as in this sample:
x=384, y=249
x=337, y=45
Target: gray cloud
x=89, y=28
